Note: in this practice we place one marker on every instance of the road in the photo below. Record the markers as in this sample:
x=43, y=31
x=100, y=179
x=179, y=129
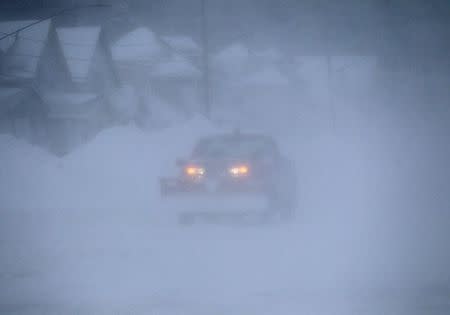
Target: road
x=140, y=263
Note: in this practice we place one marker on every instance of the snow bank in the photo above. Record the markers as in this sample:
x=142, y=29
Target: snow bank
x=162, y=114
x=124, y=102
x=28, y=175
x=117, y=170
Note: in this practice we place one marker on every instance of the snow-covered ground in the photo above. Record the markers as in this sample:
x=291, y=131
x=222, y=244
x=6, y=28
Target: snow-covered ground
x=85, y=234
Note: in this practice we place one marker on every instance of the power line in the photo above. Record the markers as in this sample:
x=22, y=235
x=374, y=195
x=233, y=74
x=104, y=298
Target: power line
x=60, y=12
x=34, y=23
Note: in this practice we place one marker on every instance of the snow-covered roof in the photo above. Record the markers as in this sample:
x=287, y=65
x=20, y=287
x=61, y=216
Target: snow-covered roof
x=268, y=76
x=177, y=66
x=78, y=46
x=182, y=44
x=9, y=27
x=22, y=52
x=138, y=45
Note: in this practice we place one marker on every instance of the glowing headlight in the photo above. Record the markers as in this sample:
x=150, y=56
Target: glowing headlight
x=194, y=171
x=239, y=170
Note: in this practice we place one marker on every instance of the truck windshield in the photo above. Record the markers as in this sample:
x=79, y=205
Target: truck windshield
x=235, y=147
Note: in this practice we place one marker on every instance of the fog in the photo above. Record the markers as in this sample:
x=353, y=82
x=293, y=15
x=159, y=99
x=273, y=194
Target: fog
x=98, y=102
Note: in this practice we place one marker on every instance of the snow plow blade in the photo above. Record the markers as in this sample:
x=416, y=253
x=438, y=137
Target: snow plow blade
x=215, y=204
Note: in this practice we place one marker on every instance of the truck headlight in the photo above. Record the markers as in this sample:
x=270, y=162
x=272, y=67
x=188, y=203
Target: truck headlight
x=238, y=170
x=194, y=171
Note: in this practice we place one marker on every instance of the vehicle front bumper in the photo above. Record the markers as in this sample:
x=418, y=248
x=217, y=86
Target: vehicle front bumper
x=215, y=203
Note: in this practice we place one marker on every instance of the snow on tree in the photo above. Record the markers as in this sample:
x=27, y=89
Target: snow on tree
x=139, y=46
x=183, y=44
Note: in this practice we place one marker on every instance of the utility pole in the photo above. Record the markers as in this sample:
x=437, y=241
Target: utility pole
x=205, y=62
x=330, y=89
x=329, y=66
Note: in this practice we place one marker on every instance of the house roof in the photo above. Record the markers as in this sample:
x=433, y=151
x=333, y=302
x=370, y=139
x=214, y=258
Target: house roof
x=176, y=66
x=22, y=52
x=6, y=28
x=182, y=44
x=138, y=45
x=78, y=45
x=9, y=13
